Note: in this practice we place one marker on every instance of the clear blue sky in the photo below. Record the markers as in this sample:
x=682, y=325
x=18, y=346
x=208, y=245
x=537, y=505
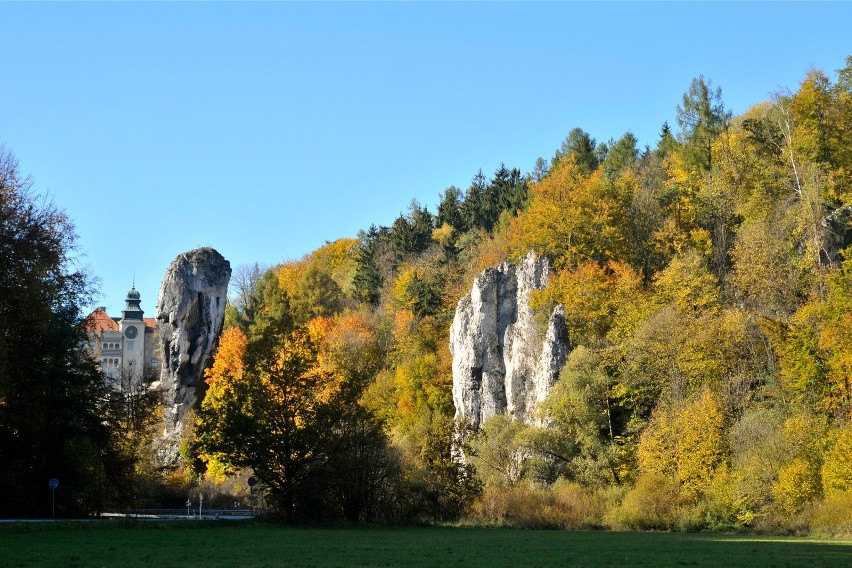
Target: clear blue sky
x=266, y=129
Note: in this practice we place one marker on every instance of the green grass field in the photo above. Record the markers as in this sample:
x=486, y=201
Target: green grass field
x=213, y=544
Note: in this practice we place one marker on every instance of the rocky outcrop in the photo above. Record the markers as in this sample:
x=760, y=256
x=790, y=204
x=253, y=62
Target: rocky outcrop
x=503, y=361
x=191, y=311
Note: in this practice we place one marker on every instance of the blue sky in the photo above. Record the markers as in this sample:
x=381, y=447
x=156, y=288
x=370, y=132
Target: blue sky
x=266, y=129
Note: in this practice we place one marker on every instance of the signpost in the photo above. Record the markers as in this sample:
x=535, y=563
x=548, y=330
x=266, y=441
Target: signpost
x=53, y=484
x=251, y=482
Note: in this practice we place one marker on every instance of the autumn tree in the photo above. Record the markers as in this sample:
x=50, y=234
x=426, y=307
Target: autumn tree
x=572, y=218
x=296, y=423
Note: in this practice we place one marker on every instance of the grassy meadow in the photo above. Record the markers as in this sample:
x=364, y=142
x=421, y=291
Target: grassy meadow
x=213, y=544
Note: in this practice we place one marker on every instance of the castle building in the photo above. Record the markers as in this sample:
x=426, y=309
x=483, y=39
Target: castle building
x=125, y=347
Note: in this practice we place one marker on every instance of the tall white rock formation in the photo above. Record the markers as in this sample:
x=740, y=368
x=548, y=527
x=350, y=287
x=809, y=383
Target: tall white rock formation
x=191, y=312
x=503, y=362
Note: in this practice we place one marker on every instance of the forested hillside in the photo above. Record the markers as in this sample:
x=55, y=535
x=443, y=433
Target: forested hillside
x=707, y=287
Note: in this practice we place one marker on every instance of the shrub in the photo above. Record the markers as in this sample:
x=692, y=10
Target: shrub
x=833, y=516
x=563, y=505
x=798, y=482
x=654, y=503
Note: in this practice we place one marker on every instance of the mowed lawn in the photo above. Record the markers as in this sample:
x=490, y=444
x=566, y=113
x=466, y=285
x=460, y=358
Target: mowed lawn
x=213, y=544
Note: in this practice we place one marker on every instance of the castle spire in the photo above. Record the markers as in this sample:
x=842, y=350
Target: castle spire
x=132, y=311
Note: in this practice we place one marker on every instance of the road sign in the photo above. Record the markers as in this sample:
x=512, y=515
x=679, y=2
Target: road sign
x=53, y=483
x=251, y=481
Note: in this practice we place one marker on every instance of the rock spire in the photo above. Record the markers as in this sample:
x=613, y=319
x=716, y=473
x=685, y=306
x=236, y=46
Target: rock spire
x=190, y=314
x=503, y=361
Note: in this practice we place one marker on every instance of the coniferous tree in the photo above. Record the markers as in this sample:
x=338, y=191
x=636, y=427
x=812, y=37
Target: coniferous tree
x=701, y=117
x=580, y=146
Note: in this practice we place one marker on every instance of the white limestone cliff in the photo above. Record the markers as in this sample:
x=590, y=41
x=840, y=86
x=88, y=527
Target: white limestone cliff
x=503, y=362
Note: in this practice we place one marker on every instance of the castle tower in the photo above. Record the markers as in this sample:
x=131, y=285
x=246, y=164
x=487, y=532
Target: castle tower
x=132, y=328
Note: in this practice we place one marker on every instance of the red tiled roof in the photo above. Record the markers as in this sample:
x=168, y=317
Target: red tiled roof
x=150, y=322
x=98, y=320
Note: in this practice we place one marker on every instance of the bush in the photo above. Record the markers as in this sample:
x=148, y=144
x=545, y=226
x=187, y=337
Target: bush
x=654, y=503
x=563, y=505
x=833, y=516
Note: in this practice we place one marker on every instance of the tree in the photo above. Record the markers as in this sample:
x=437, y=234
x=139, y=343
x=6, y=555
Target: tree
x=474, y=202
x=701, y=117
x=667, y=141
x=572, y=218
x=297, y=424
x=686, y=443
x=243, y=291
x=540, y=170
x=450, y=209
x=511, y=190
x=412, y=234
x=620, y=154
x=498, y=450
x=52, y=396
x=317, y=295
x=580, y=147
x=373, y=247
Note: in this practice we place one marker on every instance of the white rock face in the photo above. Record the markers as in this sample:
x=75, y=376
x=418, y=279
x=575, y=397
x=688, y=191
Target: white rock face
x=503, y=362
x=191, y=312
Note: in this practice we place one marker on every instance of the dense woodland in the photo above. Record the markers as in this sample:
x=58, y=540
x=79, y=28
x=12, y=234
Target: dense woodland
x=707, y=284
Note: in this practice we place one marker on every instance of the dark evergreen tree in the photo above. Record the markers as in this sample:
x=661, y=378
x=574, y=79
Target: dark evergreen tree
x=667, y=140
x=367, y=280
x=450, y=210
x=472, y=205
x=511, y=189
x=412, y=234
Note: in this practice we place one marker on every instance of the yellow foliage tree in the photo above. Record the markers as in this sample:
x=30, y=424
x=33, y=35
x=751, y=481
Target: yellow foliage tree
x=688, y=284
x=572, y=218
x=687, y=444
x=837, y=462
x=596, y=299
x=798, y=482
x=701, y=446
